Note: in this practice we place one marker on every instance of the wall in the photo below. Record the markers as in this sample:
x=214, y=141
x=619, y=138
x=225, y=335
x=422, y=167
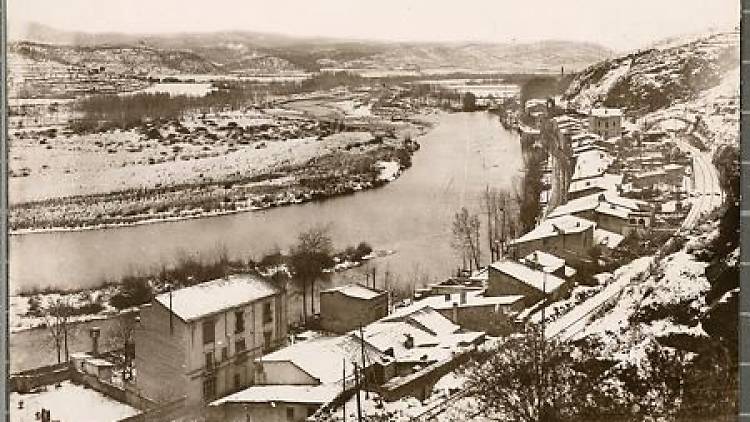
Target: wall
x=160, y=355
x=501, y=284
x=565, y=246
x=26, y=381
x=485, y=318
x=260, y=412
x=340, y=313
x=285, y=373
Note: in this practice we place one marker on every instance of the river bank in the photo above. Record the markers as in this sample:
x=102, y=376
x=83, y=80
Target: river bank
x=411, y=215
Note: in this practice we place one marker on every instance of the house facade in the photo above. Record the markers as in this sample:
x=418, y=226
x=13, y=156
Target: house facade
x=566, y=236
x=510, y=277
x=606, y=122
x=199, y=342
x=346, y=308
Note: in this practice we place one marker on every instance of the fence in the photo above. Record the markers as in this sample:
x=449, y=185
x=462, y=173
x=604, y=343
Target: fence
x=25, y=381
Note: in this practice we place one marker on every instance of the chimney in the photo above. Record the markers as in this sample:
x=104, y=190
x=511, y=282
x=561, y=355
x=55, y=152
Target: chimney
x=409, y=342
x=94, y=334
x=455, y=313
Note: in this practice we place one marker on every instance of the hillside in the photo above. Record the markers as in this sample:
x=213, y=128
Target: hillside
x=660, y=76
x=510, y=57
x=238, y=50
x=123, y=60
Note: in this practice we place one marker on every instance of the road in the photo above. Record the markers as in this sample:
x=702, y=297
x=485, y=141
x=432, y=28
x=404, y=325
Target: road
x=705, y=193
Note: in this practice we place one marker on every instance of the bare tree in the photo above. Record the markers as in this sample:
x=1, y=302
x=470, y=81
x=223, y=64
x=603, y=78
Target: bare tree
x=309, y=257
x=121, y=338
x=57, y=318
x=498, y=207
x=466, y=237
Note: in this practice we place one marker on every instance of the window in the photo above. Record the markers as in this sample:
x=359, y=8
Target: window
x=237, y=381
x=224, y=354
x=209, y=331
x=209, y=388
x=267, y=340
x=239, y=345
x=290, y=413
x=209, y=359
x=267, y=314
x=239, y=322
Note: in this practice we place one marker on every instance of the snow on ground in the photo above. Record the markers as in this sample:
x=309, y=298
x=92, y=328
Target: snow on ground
x=677, y=280
x=389, y=170
x=572, y=323
x=593, y=93
x=19, y=306
x=68, y=403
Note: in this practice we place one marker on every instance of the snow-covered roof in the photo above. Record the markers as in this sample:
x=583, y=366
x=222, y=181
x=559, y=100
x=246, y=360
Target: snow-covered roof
x=584, y=136
x=200, y=300
x=549, y=262
x=322, y=357
x=385, y=335
x=607, y=238
x=307, y=394
x=551, y=227
x=428, y=318
x=606, y=112
x=534, y=278
x=357, y=291
x=606, y=181
x=564, y=118
x=591, y=163
x=472, y=298
x=535, y=102
x=607, y=202
x=670, y=167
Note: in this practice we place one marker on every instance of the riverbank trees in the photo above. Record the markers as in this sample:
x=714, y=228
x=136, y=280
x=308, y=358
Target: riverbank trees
x=312, y=254
x=466, y=238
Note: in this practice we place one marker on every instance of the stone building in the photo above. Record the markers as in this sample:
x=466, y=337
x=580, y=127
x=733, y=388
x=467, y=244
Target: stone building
x=199, y=342
x=606, y=122
x=346, y=308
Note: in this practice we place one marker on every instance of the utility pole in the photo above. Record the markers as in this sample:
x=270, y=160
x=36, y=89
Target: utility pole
x=343, y=387
x=359, y=400
x=362, y=350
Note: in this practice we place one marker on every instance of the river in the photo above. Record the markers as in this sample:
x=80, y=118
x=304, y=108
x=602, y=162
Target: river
x=412, y=216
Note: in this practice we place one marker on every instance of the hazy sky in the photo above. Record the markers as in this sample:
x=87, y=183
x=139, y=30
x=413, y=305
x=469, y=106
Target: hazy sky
x=619, y=25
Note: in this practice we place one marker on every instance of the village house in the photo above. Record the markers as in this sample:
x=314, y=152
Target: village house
x=294, y=382
x=475, y=310
x=607, y=209
x=606, y=122
x=425, y=345
x=198, y=342
x=510, y=277
x=566, y=236
x=594, y=185
x=591, y=163
x=348, y=307
x=529, y=135
x=549, y=263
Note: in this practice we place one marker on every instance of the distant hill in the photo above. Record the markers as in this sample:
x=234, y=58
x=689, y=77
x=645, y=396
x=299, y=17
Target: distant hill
x=119, y=59
x=239, y=50
x=676, y=70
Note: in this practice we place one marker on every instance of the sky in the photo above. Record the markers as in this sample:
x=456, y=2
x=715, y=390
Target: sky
x=619, y=25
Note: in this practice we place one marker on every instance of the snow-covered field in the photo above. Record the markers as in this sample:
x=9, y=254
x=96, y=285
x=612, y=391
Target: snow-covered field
x=68, y=403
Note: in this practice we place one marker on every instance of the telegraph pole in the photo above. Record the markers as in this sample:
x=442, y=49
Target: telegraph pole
x=343, y=388
x=359, y=400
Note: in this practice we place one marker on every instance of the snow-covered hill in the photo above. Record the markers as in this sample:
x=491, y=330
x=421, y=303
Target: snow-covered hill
x=658, y=77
